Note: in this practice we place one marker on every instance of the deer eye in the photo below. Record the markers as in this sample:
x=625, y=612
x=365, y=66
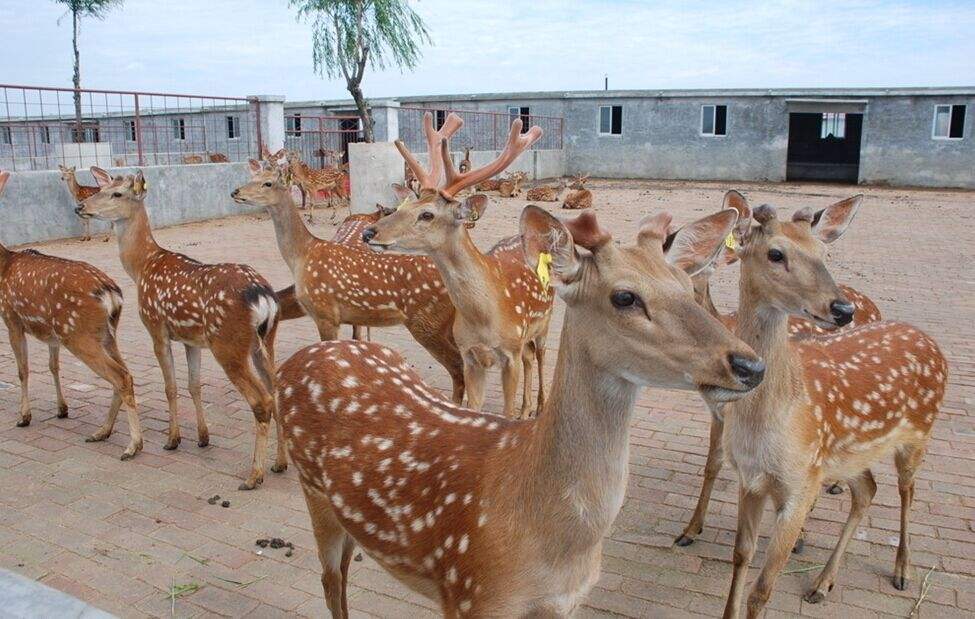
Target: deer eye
x=116, y=195
x=622, y=299
x=268, y=184
x=425, y=216
x=775, y=255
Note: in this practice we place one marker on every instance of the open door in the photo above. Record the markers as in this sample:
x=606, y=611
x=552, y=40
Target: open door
x=824, y=146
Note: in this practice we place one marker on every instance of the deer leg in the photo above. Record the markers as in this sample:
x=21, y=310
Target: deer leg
x=474, y=379
x=54, y=363
x=907, y=460
x=87, y=222
x=327, y=330
x=263, y=357
x=164, y=355
x=193, y=357
x=540, y=362
x=791, y=512
x=527, y=361
x=334, y=545
x=18, y=341
x=862, y=490
x=750, y=506
x=711, y=469
x=511, y=366
x=260, y=400
x=356, y=332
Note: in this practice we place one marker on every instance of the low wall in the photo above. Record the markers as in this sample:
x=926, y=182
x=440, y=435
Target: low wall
x=38, y=207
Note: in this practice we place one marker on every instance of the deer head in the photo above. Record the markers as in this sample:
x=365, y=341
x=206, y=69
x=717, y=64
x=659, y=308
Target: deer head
x=579, y=182
x=640, y=298
x=120, y=197
x=269, y=186
x=67, y=173
x=783, y=261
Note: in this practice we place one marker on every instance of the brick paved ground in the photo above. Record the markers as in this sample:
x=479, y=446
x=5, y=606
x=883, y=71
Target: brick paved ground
x=119, y=535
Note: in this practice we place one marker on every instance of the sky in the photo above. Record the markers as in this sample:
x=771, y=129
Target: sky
x=244, y=47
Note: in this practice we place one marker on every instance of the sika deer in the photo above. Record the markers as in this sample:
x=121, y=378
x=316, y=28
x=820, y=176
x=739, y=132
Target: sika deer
x=227, y=308
x=465, y=163
x=490, y=516
x=72, y=304
x=511, y=186
x=312, y=181
x=829, y=408
x=546, y=193
x=80, y=192
x=580, y=197
x=503, y=310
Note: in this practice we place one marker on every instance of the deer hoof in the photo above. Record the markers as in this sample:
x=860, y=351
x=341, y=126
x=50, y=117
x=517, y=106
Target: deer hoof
x=799, y=547
x=23, y=423
x=900, y=583
x=171, y=444
x=279, y=468
x=127, y=455
x=203, y=442
x=684, y=540
x=96, y=438
x=250, y=485
x=814, y=597
x=835, y=489
x=62, y=411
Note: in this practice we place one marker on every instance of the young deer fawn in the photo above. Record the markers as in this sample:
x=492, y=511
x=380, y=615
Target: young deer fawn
x=71, y=304
x=227, y=308
x=511, y=186
x=546, y=193
x=580, y=197
x=830, y=406
x=491, y=516
x=503, y=310
x=80, y=192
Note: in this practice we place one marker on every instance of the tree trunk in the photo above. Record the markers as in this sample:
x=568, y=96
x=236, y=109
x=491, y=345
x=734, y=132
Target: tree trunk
x=365, y=114
x=78, y=133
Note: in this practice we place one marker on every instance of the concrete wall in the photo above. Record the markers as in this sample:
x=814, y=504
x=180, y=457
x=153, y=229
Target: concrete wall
x=37, y=206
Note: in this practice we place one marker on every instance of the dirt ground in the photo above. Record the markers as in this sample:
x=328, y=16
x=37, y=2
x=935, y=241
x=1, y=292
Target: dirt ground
x=126, y=536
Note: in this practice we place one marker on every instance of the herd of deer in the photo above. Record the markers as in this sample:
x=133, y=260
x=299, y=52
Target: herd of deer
x=505, y=515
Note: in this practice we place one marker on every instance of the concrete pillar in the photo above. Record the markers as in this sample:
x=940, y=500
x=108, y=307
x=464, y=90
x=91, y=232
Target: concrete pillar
x=268, y=113
x=373, y=168
x=385, y=118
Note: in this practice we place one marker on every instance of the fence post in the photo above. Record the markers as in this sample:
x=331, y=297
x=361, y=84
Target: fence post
x=138, y=133
x=268, y=114
x=385, y=120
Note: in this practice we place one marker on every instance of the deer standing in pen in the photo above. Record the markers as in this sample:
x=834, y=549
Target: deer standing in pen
x=799, y=328
x=339, y=284
x=312, y=181
x=227, y=308
x=80, y=192
x=503, y=310
x=580, y=197
x=72, y=304
x=546, y=193
x=491, y=516
x=830, y=407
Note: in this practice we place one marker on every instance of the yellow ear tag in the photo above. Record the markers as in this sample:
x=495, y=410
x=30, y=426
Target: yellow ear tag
x=402, y=204
x=543, y=268
x=729, y=241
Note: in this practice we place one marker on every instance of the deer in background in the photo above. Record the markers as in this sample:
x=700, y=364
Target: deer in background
x=799, y=328
x=491, y=184
x=546, y=193
x=80, y=192
x=511, y=186
x=829, y=408
x=465, y=163
x=312, y=181
x=580, y=197
x=227, y=308
x=72, y=304
x=503, y=310
x=217, y=158
x=192, y=159
x=493, y=517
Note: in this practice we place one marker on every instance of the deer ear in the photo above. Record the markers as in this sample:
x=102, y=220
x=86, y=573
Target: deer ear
x=139, y=185
x=384, y=210
x=830, y=223
x=549, y=247
x=254, y=165
x=401, y=192
x=4, y=177
x=696, y=246
x=733, y=199
x=472, y=207
x=102, y=178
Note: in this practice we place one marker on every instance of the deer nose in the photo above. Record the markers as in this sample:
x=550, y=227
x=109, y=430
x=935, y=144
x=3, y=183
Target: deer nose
x=233, y=194
x=77, y=210
x=368, y=234
x=748, y=370
x=842, y=311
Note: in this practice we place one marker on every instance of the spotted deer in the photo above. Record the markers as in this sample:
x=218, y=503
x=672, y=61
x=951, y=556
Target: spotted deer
x=227, y=308
x=465, y=163
x=866, y=311
x=546, y=193
x=511, y=186
x=79, y=192
x=192, y=159
x=503, y=310
x=491, y=516
x=338, y=283
x=312, y=181
x=491, y=184
x=580, y=197
x=71, y=304
x=217, y=158
x=830, y=406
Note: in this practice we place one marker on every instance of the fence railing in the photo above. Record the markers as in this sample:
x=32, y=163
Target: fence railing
x=43, y=127
x=481, y=130
x=321, y=140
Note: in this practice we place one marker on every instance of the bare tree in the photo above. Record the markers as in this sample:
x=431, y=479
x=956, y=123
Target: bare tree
x=79, y=9
x=348, y=35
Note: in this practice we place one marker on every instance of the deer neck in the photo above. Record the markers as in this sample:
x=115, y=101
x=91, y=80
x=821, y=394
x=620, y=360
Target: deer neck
x=292, y=234
x=135, y=242
x=465, y=271
x=73, y=185
x=4, y=259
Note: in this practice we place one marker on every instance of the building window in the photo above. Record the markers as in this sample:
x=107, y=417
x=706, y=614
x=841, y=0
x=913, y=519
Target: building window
x=293, y=125
x=130, y=130
x=233, y=127
x=45, y=135
x=91, y=134
x=439, y=118
x=179, y=129
x=833, y=126
x=949, y=122
x=524, y=113
x=714, y=120
x=5, y=136
x=610, y=120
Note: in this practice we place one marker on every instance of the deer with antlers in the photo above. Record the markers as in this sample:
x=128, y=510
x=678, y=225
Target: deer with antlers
x=227, y=308
x=338, y=283
x=580, y=197
x=491, y=516
x=503, y=310
x=830, y=406
x=80, y=193
x=71, y=304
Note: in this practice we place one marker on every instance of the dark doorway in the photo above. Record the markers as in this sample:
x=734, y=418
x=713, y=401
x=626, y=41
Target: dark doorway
x=824, y=147
x=349, y=128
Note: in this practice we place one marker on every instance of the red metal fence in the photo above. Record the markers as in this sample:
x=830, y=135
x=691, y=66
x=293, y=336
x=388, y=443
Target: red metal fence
x=41, y=128
x=481, y=130
x=321, y=140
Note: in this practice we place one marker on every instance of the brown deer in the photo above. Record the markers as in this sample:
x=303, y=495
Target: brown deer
x=218, y=158
x=227, y=308
x=72, y=304
x=799, y=328
x=830, y=406
x=580, y=197
x=511, y=186
x=503, y=310
x=311, y=181
x=546, y=193
x=465, y=163
x=494, y=517
x=192, y=159
x=80, y=192
x=339, y=284
x=491, y=184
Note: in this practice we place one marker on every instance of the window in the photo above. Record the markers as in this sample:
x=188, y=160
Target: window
x=440, y=117
x=179, y=129
x=233, y=127
x=714, y=119
x=524, y=113
x=610, y=120
x=5, y=136
x=293, y=125
x=45, y=135
x=834, y=125
x=949, y=122
x=91, y=134
x=130, y=130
